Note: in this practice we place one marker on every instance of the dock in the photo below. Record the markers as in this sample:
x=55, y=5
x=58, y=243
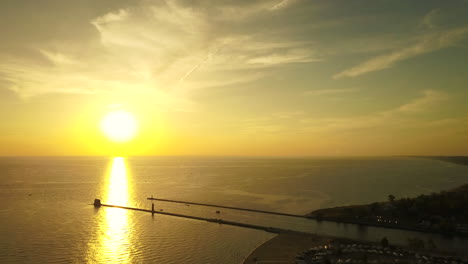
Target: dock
x=227, y=207
x=212, y=220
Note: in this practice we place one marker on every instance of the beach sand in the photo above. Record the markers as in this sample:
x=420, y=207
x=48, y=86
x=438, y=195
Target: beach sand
x=284, y=247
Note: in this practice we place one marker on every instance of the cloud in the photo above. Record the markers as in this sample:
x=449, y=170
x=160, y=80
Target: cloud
x=111, y=17
x=274, y=123
x=428, y=19
x=57, y=58
x=291, y=56
x=281, y=4
x=227, y=80
x=253, y=8
x=162, y=47
x=430, y=99
x=245, y=52
x=185, y=42
x=424, y=44
x=397, y=117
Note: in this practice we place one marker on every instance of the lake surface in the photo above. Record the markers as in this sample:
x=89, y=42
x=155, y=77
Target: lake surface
x=46, y=216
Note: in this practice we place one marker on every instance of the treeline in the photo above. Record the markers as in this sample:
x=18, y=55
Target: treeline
x=446, y=211
x=440, y=211
x=446, y=203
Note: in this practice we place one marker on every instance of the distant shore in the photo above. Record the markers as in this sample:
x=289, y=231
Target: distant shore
x=460, y=160
x=425, y=213
x=441, y=213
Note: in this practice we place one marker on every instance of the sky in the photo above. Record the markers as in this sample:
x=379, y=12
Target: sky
x=253, y=78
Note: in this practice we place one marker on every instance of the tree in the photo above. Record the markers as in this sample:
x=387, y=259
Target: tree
x=391, y=198
x=384, y=242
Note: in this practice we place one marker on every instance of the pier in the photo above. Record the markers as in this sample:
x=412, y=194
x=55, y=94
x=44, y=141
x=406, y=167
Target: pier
x=212, y=220
x=227, y=207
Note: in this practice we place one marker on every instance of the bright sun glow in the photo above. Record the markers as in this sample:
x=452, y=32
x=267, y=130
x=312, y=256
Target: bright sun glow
x=119, y=126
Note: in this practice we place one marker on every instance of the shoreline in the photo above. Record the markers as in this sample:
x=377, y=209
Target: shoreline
x=257, y=247
x=383, y=225
x=284, y=247
x=434, y=213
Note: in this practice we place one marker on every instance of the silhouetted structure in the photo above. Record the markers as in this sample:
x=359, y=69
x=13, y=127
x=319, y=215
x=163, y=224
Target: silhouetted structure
x=227, y=207
x=97, y=203
x=212, y=220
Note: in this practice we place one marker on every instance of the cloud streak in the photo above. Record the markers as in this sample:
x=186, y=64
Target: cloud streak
x=405, y=116
x=430, y=99
x=401, y=116
x=424, y=44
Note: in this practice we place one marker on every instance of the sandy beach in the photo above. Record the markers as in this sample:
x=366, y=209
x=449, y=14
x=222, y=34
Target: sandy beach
x=284, y=247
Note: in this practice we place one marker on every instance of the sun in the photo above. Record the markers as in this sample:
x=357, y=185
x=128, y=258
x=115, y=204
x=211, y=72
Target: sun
x=119, y=126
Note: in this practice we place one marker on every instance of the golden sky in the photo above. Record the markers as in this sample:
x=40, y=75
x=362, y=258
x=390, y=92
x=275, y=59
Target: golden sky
x=256, y=78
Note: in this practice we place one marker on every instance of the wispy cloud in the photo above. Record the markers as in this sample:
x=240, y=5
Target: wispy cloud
x=405, y=116
x=424, y=44
x=273, y=123
x=428, y=19
x=182, y=42
x=162, y=47
x=111, y=17
x=227, y=80
x=58, y=59
x=400, y=116
x=281, y=4
x=430, y=99
x=291, y=56
x=251, y=9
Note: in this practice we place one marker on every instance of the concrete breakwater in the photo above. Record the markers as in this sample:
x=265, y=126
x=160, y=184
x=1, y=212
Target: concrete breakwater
x=227, y=207
x=212, y=220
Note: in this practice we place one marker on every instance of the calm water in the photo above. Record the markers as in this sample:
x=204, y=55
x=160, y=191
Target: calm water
x=46, y=216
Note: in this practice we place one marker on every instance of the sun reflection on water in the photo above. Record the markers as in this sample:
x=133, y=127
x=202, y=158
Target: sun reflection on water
x=114, y=235
x=117, y=183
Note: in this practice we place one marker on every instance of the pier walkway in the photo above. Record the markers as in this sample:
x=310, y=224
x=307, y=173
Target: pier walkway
x=227, y=207
x=213, y=220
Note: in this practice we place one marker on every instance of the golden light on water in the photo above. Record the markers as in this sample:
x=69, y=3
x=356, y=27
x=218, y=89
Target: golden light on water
x=117, y=183
x=119, y=126
x=114, y=238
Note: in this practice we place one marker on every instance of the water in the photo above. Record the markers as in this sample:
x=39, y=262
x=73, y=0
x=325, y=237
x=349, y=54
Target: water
x=46, y=216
